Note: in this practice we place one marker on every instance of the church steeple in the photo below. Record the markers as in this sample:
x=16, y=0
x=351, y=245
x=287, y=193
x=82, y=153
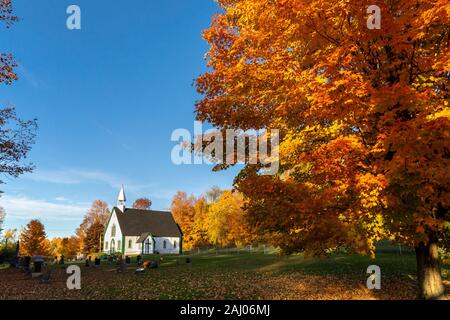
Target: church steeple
x=121, y=200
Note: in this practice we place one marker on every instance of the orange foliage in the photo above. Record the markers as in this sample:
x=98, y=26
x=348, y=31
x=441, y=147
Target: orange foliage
x=33, y=239
x=142, y=203
x=221, y=221
x=363, y=115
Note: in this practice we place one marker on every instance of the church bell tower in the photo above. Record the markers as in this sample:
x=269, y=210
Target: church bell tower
x=121, y=200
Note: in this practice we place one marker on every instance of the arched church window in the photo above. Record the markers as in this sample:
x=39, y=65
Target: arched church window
x=130, y=244
x=113, y=231
x=175, y=244
x=164, y=244
x=118, y=245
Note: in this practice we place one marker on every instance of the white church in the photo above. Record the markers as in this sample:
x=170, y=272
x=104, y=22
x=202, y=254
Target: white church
x=135, y=231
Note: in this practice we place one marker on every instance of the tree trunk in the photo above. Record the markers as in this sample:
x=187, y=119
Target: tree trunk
x=429, y=272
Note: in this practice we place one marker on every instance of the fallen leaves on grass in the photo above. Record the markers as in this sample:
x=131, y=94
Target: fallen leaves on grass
x=184, y=283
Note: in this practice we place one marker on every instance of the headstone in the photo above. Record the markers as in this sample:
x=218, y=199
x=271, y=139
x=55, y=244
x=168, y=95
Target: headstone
x=45, y=278
x=26, y=264
x=13, y=263
x=122, y=267
x=37, y=266
x=139, y=270
x=97, y=262
x=139, y=260
x=127, y=260
x=38, y=261
x=20, y=263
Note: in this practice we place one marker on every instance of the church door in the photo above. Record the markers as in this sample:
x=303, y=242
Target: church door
x=112, y=246
x=147, y=246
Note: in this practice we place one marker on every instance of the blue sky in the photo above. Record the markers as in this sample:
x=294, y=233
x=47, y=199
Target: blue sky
x=107, y=99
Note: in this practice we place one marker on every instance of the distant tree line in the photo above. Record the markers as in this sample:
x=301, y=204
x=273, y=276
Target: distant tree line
x=214, y=219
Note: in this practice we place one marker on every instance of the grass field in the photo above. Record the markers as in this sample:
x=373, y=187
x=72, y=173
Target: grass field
x=230, y=276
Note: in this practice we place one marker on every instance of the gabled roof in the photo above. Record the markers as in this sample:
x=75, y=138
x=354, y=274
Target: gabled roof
x=143, y=237
x=135, y=222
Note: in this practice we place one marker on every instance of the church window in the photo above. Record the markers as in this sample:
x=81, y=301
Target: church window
x=113, y=231
x=130, y=244
x=118, y=245
x=175, y=244
x=164, y=244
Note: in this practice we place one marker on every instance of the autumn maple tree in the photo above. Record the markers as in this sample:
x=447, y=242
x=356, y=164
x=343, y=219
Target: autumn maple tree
x=33, y=239
x=363, y=116
x=217, y=219
x=142, y=203
x=92, y=242
x=227, y=223
x=68, y=247
x=183, y=210
x=94, y=220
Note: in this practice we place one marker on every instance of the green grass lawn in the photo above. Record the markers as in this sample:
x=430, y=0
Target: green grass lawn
x=231, y=276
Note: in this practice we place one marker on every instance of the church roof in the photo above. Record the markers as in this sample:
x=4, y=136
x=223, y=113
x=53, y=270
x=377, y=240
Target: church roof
x=135, y=222
x=143, y=237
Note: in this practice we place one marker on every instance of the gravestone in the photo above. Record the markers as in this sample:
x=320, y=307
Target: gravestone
x=139, y=270
x=139, y=260
x=38, y=261
x=45, y=278
x=26, y=264
x=127, y=260
x=20, y=263
x=97, y=262
x=122, y=266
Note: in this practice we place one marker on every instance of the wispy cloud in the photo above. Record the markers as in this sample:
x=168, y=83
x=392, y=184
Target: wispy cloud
x=74, y=176
x=116, y=137
x=61, y=199
x=21, y=207
x=81, y=176
x=29, y=76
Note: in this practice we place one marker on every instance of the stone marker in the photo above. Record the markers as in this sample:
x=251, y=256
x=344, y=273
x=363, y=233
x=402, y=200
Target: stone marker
x=38, y=261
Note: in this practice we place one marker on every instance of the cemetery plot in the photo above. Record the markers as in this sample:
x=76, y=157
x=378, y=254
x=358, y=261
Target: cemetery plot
x=226, y=276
